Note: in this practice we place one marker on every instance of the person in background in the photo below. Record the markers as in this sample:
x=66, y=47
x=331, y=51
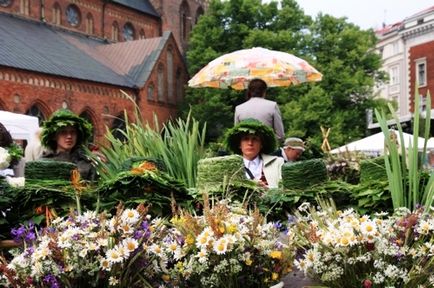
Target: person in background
x=34, y=149
x=254, y=141
x=429, y=165
x=259, y=108
x=292, y=149
x=65, y=135
x=5, y=142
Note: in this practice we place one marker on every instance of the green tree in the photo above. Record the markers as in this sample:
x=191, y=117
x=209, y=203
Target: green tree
x=344, y=54
x=340, y=50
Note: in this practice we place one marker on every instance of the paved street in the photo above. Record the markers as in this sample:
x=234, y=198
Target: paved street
x=296, y=279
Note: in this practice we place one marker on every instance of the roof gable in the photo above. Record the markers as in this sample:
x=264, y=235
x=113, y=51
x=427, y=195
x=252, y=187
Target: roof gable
x=39, y=47
x=140, y=5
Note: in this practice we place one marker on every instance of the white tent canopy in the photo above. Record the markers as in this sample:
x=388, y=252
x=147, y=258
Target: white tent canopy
x=374, y=144
x=20, y=126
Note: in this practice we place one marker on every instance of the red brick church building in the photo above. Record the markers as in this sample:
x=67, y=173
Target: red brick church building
x=98, y=58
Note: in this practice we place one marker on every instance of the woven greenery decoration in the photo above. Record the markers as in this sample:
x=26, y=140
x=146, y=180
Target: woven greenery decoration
x=303, y=174
x=214, y=173
x=60, y=119
x=49, y=169
x=251, y=126
x=373, y=170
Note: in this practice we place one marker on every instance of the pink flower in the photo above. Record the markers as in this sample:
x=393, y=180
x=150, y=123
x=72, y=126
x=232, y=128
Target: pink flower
x=367, y=283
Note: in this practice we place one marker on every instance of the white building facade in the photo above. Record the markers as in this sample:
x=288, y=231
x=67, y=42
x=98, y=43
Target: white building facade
x=397, y=44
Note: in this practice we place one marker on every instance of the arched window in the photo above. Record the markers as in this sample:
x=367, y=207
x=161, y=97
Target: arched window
x=89, y=24
x=185, y=20
x=118, y=126
x=142, y=34
x=25, y=7
x=128, y=32
x=57, y=14
x=115, y=31
x=5, y=3
x=170, y=83
x=73, y=15
x=151, y=92
x=36, y=111
x=86, y=115
x=179, y=85
x=160, y=79
x=199, y=12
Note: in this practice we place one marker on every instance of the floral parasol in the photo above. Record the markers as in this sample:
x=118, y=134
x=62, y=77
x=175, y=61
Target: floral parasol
x=236, y=69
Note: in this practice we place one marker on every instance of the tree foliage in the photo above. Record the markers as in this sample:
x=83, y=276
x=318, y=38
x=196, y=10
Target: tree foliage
x=340, y=50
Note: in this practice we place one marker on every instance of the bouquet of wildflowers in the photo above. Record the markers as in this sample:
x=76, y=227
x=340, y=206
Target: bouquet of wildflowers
x=226, y=247
x=86, y=250
x=344, y=249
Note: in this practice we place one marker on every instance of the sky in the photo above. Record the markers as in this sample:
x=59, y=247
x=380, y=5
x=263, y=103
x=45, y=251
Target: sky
x=366, y=13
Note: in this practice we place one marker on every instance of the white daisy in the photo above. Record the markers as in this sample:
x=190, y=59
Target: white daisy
x=220, y=246
x=130, y=216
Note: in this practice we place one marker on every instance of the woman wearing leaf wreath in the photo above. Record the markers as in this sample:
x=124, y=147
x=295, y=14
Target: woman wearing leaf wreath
x=254, y=141
x=65, y=135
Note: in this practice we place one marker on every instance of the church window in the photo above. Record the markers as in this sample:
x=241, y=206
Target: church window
x=73, y=15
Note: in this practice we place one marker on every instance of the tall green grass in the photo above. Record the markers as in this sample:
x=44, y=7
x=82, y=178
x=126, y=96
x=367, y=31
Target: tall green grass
x=403, y=164
x=179, y=145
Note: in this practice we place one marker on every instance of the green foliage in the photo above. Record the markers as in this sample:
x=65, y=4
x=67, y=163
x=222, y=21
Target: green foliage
x=214, y=172
x=403, y=163
x=16, y=153
x=178, y=145
x=341, y=51
x=49, y=169
x=279, y=203
x=303, y=174
x=21, y=204
x=373, y=196
x=372, y=170
x=149, y=187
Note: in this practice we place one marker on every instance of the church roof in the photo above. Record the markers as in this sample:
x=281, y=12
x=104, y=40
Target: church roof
x=140, y=5
x=39, y=47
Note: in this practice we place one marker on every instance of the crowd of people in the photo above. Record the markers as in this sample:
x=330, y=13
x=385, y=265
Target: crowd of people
x=257, y=132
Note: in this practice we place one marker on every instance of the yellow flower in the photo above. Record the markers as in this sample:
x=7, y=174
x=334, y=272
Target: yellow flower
x=232, y=229
x=178, y=221
x=189, y=239
x=180, y=266
x=276, y=254
x=288, y=269
x=249, y=262
x=166, y=278
x=274, y=276
x=222, y=228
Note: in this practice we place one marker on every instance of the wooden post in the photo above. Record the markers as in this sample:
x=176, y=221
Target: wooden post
x=325, y=146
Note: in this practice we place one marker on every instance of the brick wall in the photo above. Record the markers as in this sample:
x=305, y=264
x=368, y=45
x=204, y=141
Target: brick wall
x=170, y=14
x=20, y=90
x=422, y=51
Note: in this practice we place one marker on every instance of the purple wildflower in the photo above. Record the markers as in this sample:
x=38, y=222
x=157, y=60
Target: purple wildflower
x=30, y=236
x=19, y=233
x=277, y=225
x=180, y=239
x=146, y=229
x=51, y=280
x=138, y=234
